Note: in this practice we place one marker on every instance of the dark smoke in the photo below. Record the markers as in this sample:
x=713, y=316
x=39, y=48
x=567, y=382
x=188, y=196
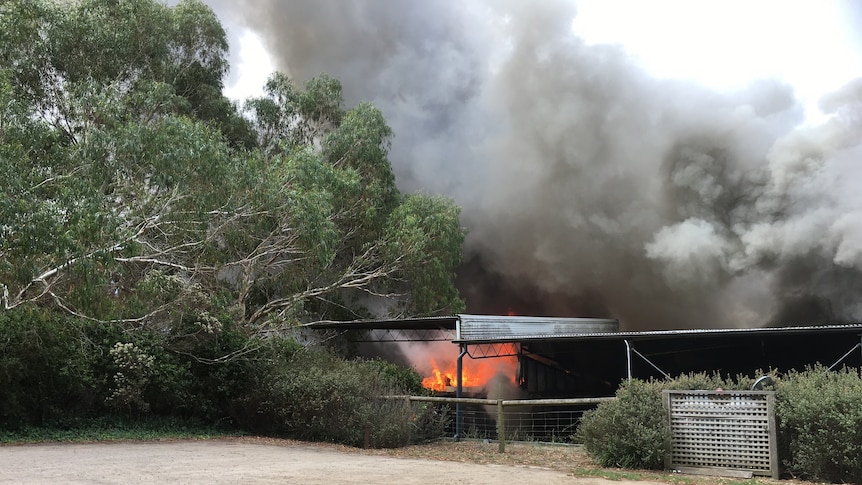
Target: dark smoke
x=588, y=187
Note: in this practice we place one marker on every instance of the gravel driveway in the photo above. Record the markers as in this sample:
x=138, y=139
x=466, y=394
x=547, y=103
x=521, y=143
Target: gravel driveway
x=226, y=461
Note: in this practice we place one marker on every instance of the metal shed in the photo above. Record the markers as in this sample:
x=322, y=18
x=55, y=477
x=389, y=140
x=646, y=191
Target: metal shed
x=595, y=353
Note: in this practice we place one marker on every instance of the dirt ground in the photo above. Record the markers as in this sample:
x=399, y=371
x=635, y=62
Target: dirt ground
x=241, y=461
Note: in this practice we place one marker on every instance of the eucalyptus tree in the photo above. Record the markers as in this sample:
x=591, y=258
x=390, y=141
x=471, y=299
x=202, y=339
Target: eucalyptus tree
x=358, y=241
x=135, y=193
x=111, y=111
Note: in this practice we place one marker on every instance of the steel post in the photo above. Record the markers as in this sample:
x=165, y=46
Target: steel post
x=459, y=390
x=628, y=359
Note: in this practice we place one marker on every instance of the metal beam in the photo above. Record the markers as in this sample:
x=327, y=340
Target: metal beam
x=630, y=349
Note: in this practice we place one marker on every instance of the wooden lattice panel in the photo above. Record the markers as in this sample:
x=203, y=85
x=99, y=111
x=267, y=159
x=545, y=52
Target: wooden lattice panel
x=729, y=430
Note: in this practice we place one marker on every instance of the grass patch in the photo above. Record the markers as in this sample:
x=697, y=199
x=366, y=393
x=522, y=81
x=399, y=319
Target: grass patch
x=626, y=475
x=116, y=429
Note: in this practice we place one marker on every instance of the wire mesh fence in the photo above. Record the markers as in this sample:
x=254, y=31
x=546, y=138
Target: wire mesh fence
x=543, y=420
x=522, y=423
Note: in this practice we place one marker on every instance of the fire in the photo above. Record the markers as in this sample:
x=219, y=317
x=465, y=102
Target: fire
x=473, y=374
x=439, y=380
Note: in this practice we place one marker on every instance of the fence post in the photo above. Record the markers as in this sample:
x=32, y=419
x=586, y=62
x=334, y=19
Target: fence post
x=501, y=427
x=774, y=463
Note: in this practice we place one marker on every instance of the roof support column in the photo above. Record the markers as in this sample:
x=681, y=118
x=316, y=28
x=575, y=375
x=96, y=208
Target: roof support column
x=459, y=390
x=628, y=359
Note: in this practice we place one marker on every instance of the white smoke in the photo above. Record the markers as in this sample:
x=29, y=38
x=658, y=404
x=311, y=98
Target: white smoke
x=588, y=187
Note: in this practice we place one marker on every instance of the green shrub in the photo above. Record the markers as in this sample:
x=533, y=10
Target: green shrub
x=819, y=417
x=404, y=379
x=630, y=431
x=48, y=368
x=820, y=424
x=55, y=371
x=708, y=381
x=318, y=396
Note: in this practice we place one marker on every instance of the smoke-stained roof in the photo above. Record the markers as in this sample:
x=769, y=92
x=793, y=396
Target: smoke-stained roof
x=479, y=329
x=659, y=334
x=509, y=328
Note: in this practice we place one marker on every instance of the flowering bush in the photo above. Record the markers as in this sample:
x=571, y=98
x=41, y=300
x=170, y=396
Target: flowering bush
x=133, y=374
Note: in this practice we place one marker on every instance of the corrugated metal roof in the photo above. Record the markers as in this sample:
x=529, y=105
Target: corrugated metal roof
x=448, y=322
x=500, y=329
x=656, y=334
x=508, y=328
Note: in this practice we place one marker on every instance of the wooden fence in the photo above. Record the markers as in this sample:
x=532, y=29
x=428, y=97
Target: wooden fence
x=722, y=432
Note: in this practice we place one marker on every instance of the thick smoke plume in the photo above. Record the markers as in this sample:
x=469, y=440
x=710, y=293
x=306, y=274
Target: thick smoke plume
x=589, y=188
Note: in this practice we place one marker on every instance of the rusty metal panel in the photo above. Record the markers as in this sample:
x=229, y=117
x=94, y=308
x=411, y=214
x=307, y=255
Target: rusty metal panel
x=723, y=430
x=484, y=328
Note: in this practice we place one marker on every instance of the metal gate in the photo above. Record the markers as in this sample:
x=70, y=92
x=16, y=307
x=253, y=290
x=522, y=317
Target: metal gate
x=722, y=432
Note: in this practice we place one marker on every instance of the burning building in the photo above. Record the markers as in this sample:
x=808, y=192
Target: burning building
x=581, y=357
x=721, y=227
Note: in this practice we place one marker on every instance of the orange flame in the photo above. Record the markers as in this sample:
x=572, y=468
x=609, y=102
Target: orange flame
x=473, y=374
